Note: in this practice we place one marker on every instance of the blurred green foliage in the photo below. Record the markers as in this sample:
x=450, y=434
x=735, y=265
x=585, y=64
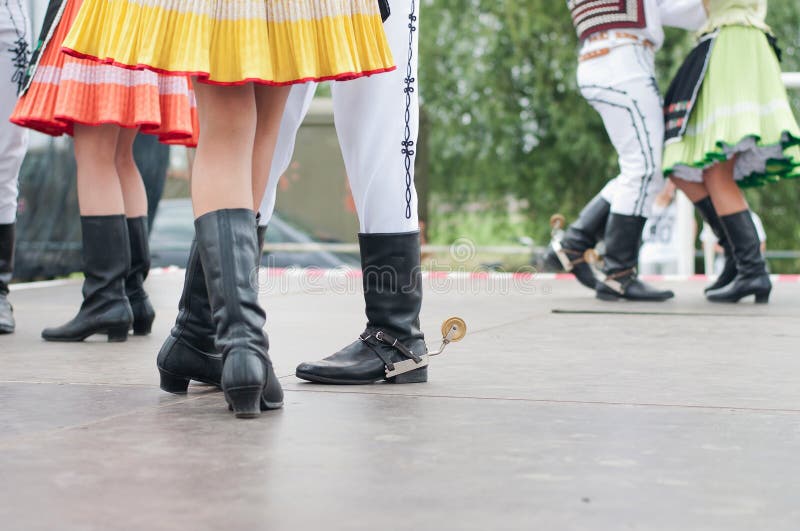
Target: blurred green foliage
x=507, y=123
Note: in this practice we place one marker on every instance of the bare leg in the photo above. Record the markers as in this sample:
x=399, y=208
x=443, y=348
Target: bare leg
x=734, y=214
x=725, y=193
x=104, y=232
x=270, y=103
x=223, y=166
x=130, y=179
x=694, y=191
x=225, y=229
x=99, y=190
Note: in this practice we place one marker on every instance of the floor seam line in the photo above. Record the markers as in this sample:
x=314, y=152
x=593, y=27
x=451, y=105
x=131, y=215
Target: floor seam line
x=553, y=401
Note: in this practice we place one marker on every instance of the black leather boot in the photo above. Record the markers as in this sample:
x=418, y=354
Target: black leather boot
x=393, y=295
x=227, y=243
x=143, y=312
x=189, y=352
x=709, y=213
x=7, y=323
x=623, y=239
x=106, y=262
x=752, y=277
x=583, y=234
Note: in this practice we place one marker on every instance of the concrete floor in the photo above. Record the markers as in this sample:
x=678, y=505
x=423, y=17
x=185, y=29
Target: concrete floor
x=537, y=420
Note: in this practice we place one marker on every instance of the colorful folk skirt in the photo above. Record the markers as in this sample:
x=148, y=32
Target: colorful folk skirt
x=65, y=91
x=729, y=101
x=230, y=42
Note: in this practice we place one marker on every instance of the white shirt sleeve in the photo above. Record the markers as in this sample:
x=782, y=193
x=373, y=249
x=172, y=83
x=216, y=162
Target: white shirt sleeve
x=686, y=14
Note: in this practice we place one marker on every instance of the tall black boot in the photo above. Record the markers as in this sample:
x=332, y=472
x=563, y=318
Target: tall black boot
x=7, y=323
x=143, y=312
x=189, y=352
x=106, y=262
x=709, y=213
x=752, y=277
x=393, y=295
x=583, y=234
x=227, y=243
x=623, y=239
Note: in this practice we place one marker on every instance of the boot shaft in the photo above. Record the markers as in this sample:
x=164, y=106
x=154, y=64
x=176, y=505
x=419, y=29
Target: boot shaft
x=623, y=239
x=228, y=248
x=742, y=235
x=6, y=256
x=140, y=257
x=706, y=208
x=392, y=281
x=106, y=257
x=590, y=226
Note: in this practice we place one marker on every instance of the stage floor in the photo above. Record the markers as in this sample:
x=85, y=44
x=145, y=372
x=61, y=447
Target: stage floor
x=557, y=412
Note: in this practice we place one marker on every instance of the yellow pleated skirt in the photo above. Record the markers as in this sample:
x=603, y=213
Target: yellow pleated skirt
x=231, y=42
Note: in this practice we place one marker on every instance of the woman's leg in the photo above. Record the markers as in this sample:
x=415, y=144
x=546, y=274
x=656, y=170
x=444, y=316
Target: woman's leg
x=106, y=250
x=223, y=168
x=725, y=193
x=225, y=226
x=270, y=103
x=135, y=199
x=99, y=191
x=694, y=191
x=738, y=225
x=698, y=194
x=133, y=192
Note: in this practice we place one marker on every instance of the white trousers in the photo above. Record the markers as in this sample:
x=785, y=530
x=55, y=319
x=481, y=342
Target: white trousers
x=14, y=30
x=621, y=86
x=377, y=119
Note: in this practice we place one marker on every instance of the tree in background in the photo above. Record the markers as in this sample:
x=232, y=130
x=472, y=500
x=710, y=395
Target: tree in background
x=507, y=125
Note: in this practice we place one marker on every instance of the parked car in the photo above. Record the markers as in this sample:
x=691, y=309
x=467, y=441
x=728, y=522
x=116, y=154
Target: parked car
x=173, y=230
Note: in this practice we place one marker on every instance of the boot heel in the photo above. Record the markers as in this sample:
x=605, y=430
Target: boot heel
x=143, y=328
x=118, y=334
x=176, y=385
x=415, y=376
x=762, y=298
x=245, y=401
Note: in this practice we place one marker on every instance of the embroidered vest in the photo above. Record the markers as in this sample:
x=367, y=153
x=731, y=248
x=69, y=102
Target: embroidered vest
x=55, y=9
x=591, y=16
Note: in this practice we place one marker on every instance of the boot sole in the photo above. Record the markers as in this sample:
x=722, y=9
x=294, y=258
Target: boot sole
x=614, y=297
x=417, y=376
x=115, y=335
x=761, y=298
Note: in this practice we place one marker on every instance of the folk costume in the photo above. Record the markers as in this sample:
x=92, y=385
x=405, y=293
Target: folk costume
x=59, y=91
x=714, y=113
x=230, y=43
x=15, y=49
x=377, y=122
x=379, y=159
x=616, y=75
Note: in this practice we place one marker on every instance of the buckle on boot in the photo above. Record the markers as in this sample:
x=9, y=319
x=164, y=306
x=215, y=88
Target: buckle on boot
x=565, y=260
x=453, y=330
x=402, y=367
x=619, y=286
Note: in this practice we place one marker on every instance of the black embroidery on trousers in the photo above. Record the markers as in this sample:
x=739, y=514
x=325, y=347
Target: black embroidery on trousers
x=408, y=143
x=21, y=51
x=646, y=148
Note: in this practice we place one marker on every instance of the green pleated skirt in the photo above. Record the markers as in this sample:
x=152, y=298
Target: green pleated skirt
x=742, y=111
